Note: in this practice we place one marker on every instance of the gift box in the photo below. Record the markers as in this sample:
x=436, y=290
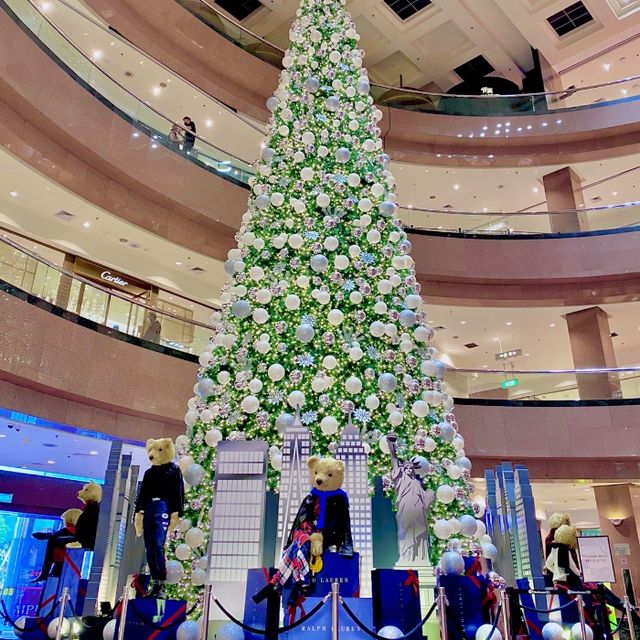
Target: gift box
x=36, y=629
x=153, y=619
x=467, y=608
x=337, y=568
x=319, y=627
x=396, y=599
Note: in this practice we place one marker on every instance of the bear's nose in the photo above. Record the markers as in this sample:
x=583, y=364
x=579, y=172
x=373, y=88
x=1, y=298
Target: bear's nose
x=319, y=481
x=150, y=457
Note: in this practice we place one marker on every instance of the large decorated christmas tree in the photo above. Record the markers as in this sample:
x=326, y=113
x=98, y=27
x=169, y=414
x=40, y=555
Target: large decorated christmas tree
x=322, y=312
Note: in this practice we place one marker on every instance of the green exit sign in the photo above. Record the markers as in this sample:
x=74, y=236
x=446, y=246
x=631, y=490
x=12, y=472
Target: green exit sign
x=507, y=384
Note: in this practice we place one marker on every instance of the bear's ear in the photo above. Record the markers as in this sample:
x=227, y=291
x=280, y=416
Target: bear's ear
x=313, y=461
x=340, y=465
x=150, y=441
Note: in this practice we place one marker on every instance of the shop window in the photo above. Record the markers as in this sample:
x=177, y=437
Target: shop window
x=407, y=8
x=570, y=18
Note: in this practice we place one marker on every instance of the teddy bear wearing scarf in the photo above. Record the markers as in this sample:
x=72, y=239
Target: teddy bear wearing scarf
x=322, y=522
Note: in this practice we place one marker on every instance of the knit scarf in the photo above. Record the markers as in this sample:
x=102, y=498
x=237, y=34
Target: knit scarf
x=322, y=501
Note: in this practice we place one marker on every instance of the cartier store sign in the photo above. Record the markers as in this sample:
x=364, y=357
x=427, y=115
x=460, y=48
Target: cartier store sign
x=110, y=278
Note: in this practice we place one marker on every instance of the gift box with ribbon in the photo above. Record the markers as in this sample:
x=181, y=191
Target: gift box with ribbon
x=469, y=603
x=255, y=615
x=396, y=599
x=336, y=568
x=318, y=627
x=70, y=577
x=153, y=619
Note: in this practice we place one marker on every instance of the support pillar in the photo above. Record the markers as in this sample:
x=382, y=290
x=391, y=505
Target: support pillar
x=619, y=511
x=562, y=190
x=592, y=347
x=64, y=286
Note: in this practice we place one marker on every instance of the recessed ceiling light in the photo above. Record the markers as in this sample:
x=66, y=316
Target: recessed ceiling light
x=535, y=190
x=527, y=355
x=86, y=224
x=456, y=187
x=154, y=146
x=93, y=452
x=156, y=91
x=463, y=322
x=96, y=55
x=13, y=194
x=552, y=324
x=178, y=264
x=606, y=66
x=3, y=435
x=509, y=324
x=209, y=123
x=51, y=461
x=558, y=121
x=136, y=134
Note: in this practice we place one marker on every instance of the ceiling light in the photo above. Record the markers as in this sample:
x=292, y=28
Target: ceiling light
x=13, y=194
x=45, y=6
x=463, y=322
x=156, y=91
x=3, y=435
x=456, y=187
x=535, y=189
x=178, y=264
x=86, y=224
x=499, y=125
x=507, y=124
x=509, y=324
x=96, y=55
x=545, y=124
x=93, y=452
x=209, y=123
x=527, y=355
x=482, y=135
x=606, y=66
x=529, y=127
x=558, y=121
x=51, y=461
x=519, y=129
x=154, y=146
x=552, y=324
x=485, y=128
x=136, y=134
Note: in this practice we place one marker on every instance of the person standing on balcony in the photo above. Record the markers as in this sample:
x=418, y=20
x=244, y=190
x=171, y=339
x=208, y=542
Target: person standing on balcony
x=176, y=137
x=152, y=334
x=189, y=138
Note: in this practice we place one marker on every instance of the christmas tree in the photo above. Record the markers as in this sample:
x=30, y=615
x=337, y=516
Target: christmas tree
x=322, y=312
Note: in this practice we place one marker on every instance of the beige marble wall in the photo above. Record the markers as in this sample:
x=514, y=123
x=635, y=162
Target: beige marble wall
x=56, y=369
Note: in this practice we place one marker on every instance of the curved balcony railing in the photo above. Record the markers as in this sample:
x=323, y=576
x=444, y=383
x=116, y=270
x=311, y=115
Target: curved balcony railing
x=429, y=102
x=35, y=275
x=121, y=100
x=553, y=385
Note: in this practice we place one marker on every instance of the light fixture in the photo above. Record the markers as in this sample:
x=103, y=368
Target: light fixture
x=96, y=55
x=156, y=91
x=51, y=461
x=13, y=194
x=86, y=224
x=552, y=324
x=456, y=187
x=616, y=522
x=509, y=324
x=93, y=452
x=209, y=123
x=178, y=264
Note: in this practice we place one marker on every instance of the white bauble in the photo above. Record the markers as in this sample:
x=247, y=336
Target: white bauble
x=380, y=308
x=190, y=629
x=458, y=443
x=335, y=317
x=52, y=629
x=329, y=425
x=373, y=236
x=276, y=372
x=576, y=632
x=484, y=631
x=191, y=418
x=331, y=243
x=182, y=441
x=108, y=633
x=250, y=404
x=184, y=463
x=277, y=199
x=445, y=494
x=295, y=241
x=454, y=472
x=323, y=200
x=385, y=287
x=183, y=552
x=194, y=537
x=372, y=402
x=396, y=418
x=292, y=302
x=260, y=316
x=341, y=262
x=329, y=362
x=353, y=385
x=384, y=445
x=276, y=462
x=468, y=526
x=355, y=297
x=430, y=445
x=303, y=281
x=552, y=631
x=213, y=437
x=356, y=354
x=390, y=632
x=205, y=358
x=481, y=529
x=365, y=205
x=420, y=409
x=307, y=174
x=442, y=529
x=490, y=552
x=255, y=386
x=377, y=329
x=296, y=399
x=353, y=179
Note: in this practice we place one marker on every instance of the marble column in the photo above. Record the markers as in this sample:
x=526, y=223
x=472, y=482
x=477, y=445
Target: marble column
x=562, y=190
x=592, y=347
x=619, y=513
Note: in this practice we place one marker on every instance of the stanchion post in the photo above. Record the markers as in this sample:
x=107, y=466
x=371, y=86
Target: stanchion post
x=442, y=610
x=63, y=606
x=123, y=613
x=629, y=609
x=506, y=618
x=206, y=607
x=335, y=609
x=583, y=620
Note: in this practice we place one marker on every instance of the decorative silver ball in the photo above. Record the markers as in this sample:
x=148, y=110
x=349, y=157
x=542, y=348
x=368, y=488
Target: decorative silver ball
x=272, y=103
x=390, y=632
x=305, y=333
x=284, y=421
x=447, y=432
x=452, y=563
x=263, y=201
x=319, y=263
x=407, y=318
x=228, y=267
x=194, y=475
x=387, y=382
x=312, y=84
x=343, y=155
x=468, y=526
x=241, y=309
x=332, y=103
x=387, y=209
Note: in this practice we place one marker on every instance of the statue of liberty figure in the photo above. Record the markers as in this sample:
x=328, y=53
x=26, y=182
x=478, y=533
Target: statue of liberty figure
x=413, y=502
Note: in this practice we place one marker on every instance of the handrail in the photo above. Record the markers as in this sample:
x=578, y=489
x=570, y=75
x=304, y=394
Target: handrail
x=74, y=276
x=114, y=34
x=595, y=370
x=570, y=91
x=503, y=214
x=129, y=92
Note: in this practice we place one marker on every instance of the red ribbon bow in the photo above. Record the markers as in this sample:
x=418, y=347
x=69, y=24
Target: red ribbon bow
x=292, y=608
x=412, y=581
x=474, y=569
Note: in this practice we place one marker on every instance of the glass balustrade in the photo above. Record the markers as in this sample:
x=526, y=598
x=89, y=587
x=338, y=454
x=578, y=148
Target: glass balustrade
x=159, y=324
x=145, y=118
x=554, y=385
x=426, y=102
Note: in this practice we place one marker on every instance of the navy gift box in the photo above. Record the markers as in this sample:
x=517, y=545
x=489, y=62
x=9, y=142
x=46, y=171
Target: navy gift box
x=396, y=599
x=255, y=615
x=319, y=626
x=146, y=615
x=336, y=568
x=465, y=611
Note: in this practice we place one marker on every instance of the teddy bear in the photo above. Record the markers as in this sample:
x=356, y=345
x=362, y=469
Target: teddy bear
x=87, y=525
x=560, y=562
x=57, y=541
x=556, y=520
x=322, y=523
x=159, y=506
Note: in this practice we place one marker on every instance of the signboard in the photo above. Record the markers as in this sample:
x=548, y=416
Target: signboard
x=507, y=384
x=595, y=559
x=109, y=277
x=622, y=549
